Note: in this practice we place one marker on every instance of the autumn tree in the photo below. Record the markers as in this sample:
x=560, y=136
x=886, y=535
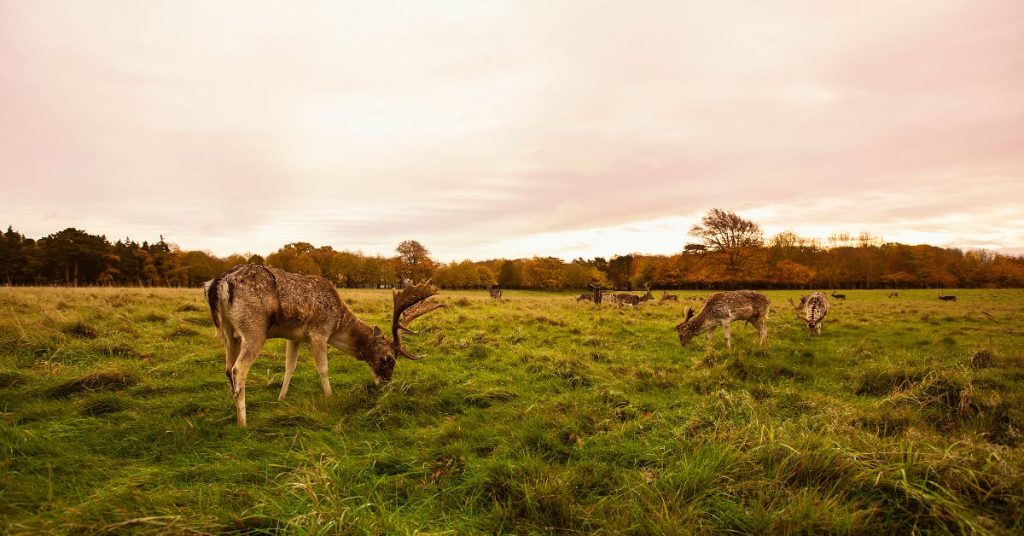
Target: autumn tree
x=414, y=262
x=510, y=275
x=296, y=257
x=730, y=235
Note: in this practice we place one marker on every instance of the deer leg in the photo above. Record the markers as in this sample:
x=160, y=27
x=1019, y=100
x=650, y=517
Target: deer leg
x=240, y=371
x=762, y=329
x=231, y=348
x=728, y=336
x=291, y=357
x=318, y=347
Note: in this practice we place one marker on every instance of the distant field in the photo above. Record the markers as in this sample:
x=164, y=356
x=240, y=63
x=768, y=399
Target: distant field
x=530, y=415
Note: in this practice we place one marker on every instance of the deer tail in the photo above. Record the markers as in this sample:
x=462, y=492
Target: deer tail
x=211, y=288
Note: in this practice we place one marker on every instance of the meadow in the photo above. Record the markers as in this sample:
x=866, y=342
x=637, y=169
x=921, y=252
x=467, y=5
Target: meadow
x=534, y=414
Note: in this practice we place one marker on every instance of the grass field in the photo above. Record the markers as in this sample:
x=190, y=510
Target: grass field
x=535, y=414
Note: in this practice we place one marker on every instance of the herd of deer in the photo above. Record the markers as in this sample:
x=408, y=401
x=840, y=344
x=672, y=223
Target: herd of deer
x=632, y=300
x=252, y=303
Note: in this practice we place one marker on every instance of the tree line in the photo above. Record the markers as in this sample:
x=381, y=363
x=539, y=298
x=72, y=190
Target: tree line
x=731, y=253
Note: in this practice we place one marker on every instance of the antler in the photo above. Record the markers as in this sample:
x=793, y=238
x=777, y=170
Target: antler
x=410, y=304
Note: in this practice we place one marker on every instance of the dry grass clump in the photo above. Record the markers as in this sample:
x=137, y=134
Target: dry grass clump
x=885, y=380
x=183, y=332
x=103, y=404
x=104, y=380
x=11, y=378
x=981, y=359
x=950, y=393
x=80, y=330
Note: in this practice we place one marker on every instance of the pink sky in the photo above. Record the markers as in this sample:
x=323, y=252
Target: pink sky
x=487, y=129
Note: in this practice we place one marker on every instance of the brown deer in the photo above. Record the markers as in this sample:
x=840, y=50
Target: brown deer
x=948, y=297
x=894, y=294
x=495, y=293
x=665, y=296
x=585, y=297
x=631, y=299
x=721, y=309
x=252, y=303
x=838, y=296
x=814, y=308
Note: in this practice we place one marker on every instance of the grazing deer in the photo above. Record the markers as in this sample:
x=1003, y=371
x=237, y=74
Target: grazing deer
x=814, y=307
x=721, y=309
x=948, y=297
x=252, y=303
x=838, y=296
x=631, y=299
x=894, y=294
x=665, y=296
x=585, y=297
x=495, y=293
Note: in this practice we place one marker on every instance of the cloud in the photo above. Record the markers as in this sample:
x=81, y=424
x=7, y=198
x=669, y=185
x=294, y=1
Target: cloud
x=472, y=126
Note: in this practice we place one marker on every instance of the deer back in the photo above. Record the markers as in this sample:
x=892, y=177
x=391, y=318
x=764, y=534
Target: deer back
x=737, y=304
x=280, y=303
x=815, y=307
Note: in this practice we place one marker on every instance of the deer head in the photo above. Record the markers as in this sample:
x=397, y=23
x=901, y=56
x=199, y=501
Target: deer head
x=685, y=329
x=410, y=303
x=380, y=353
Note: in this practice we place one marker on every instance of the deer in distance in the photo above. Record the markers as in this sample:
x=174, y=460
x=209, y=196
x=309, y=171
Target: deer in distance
x=252, y=303
x=814, y=308
x=838, y=296
x=894, y=294
x=631, y=299
x=947, y=297
x=495, y=293
x=585, y=297
x=721, y=309
x=665, y=296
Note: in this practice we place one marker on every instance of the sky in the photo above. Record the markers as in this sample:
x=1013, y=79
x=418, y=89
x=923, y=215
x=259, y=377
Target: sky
x=488, y=129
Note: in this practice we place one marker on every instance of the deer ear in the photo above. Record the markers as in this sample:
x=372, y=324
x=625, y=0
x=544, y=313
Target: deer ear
x=689, y=313
x=377, y=332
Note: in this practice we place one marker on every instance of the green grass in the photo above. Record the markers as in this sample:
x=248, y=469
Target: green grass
x=535, y=414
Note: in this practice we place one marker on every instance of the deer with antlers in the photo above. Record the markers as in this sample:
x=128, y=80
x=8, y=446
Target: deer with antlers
x=814, y=307
x=721, y=309
x=495, y=293
x=251, y=303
